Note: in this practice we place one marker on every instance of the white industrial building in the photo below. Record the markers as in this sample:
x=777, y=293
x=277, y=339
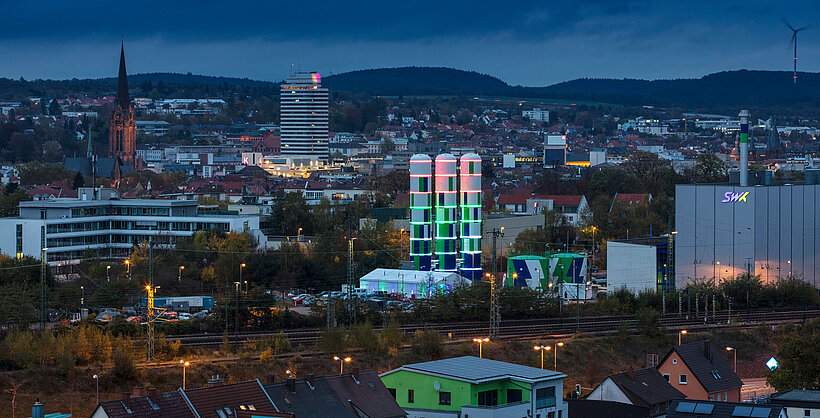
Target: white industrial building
x=413, y=283
x=537, y=114
x=639, y=264
x=99, y=220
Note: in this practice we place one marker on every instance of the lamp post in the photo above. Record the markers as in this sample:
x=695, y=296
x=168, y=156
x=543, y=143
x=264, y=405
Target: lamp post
x=185, y=365
x=402, y=283
x=299, y=235
x=682, y=332
x=401, y=244
x=108, y=274
x=82, y=298
x=556, y=355
x=179, y=277
x=542, y=348
x=236, y=315
x=97, y=379
x=481, y=342
x=128, y=268
x=242, y=267
x=735, y=353
x=342, y=362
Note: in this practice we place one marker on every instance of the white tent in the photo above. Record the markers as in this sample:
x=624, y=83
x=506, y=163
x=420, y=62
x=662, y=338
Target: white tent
x=415, y=284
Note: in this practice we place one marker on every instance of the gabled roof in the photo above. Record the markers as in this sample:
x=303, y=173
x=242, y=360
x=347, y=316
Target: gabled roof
x=476, y=370
x=683, y=408
x=365, y=393
x=306, y=400
x=234, y=396
x=645, y=387
x=170, y=404
x=708, y=366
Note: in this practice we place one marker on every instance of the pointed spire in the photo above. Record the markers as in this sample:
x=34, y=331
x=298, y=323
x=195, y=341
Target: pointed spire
x=122, y=82
x=774, y=137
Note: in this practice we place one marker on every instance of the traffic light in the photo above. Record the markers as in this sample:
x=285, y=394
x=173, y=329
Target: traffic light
x=577, y=390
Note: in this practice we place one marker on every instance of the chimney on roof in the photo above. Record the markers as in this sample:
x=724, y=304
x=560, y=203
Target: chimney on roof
x=126, y=399
x=152, y=394
x=630, y=373
x=356, y=374
x=290, y=384
x=271, y=378
x=310, y=379
x=707, y=350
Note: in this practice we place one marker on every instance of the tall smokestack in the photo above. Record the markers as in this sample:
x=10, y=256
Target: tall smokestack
x=744, y=148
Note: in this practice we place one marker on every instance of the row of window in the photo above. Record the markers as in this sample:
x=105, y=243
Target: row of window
x=120, y=210
x=544, y=397
x=136, y=225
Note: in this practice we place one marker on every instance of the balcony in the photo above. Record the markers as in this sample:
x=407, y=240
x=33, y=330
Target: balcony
x=514, y=409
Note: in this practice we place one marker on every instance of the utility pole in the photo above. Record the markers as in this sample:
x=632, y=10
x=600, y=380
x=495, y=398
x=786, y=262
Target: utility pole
x=495, y=317
x=43, y=250
x=149, y=352
x=350, y=274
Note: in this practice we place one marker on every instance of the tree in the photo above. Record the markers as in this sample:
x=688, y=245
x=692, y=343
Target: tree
x=54, y=107
x=799, y=358
x=709, y=169
x=35, y=172
x=387, y=146
x=79, y=181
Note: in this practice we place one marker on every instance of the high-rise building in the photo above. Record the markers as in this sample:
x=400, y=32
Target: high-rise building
x=304, y=119
x=446, y=212
x=122, y=136
x=421, y=211
x=470, y=221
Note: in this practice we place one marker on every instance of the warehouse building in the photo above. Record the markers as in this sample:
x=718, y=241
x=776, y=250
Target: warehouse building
x=638, y=264
x=770, y=230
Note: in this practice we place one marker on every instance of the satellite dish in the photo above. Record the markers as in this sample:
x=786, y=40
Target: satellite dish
x=437, y=385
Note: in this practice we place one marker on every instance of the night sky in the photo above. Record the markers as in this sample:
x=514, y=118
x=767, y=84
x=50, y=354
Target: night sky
x=533, y=43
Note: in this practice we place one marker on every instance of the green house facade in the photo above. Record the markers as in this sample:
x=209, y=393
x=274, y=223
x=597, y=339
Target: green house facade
x=471, y=387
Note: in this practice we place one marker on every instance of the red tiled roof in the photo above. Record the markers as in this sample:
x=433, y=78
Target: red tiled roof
x=207, y=400
x=170, y=404
x=632, y=198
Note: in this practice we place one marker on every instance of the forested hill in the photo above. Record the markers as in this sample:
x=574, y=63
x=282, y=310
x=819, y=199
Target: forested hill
x=728, y=88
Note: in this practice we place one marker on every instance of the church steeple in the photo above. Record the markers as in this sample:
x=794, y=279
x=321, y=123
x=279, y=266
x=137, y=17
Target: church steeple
x=122, y=82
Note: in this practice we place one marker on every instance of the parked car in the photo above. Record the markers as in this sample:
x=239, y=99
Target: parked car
x=184, y=316
x=401, y=297
x=300, y=298
x=378, y=294
x=310, y=300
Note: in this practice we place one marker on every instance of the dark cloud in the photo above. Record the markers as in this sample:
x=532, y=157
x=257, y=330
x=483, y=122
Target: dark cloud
x=523, y=42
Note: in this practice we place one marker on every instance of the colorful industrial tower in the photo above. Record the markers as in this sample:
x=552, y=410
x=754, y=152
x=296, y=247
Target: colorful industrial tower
x=470, y=222
x=744, y=148
x=446, y=212
x=421, y=211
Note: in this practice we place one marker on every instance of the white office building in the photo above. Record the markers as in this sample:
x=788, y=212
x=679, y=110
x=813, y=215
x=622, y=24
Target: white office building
x=537, y=114
x=101, y=221
x=304, y=119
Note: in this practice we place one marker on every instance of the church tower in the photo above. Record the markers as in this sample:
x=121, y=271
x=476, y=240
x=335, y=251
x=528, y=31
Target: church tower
x=122, y=137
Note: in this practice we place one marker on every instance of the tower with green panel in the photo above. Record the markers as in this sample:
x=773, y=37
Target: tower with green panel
x=421, y=211
x=446, y=212
x=470, y=222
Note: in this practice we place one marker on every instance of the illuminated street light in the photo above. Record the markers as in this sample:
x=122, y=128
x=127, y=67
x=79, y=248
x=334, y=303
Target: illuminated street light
x=556, y=355
x=342, y=362
x=682, y=332
x=480, y=342
x=107, y=274
x=185, y=365
x=542, y=348
x=97, y=379
x=735, y=352
x=180, y=273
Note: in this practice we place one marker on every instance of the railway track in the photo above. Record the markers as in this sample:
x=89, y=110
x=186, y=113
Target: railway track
x=533, y=328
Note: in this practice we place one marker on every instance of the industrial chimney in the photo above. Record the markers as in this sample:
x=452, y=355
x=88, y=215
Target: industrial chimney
x=744, y=148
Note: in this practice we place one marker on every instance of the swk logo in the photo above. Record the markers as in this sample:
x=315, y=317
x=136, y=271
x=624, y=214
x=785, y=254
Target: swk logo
x=734, y=197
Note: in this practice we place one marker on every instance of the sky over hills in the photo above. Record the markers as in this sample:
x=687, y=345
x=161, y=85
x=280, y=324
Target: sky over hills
x=533, y=43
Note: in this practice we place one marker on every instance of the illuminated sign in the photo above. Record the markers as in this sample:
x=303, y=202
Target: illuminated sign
x=730, y=197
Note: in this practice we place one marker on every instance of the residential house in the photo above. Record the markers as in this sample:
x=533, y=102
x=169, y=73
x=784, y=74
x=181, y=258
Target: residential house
x=571, y=206
x=237, y=400
x=645, y=388
x=631, y=199
x=476, y=387
x=798, y=403
x=699, y=371
x=356, y=394
x=684, y=408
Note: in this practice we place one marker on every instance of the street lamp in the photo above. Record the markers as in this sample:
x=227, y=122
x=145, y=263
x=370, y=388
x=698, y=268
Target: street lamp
x=556, y=355
x=402, y=283
x=236, y=316
x=401, y=243
x=682, y=332
x=180, y=273
x=107, y=274
x=342, y=362
x=128, y=268
x=97, y=379
x=480, y=342
x=542, y=348
x=299, y=235
x=735, y=352
x=185, y=365
x=82, y=298
x=242, y=266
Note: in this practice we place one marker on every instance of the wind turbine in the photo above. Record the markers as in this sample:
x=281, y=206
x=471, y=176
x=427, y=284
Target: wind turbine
x=794, y=41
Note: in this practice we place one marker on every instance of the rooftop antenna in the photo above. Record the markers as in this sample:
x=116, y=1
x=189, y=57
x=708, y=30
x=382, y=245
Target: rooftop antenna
x=794, y=43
